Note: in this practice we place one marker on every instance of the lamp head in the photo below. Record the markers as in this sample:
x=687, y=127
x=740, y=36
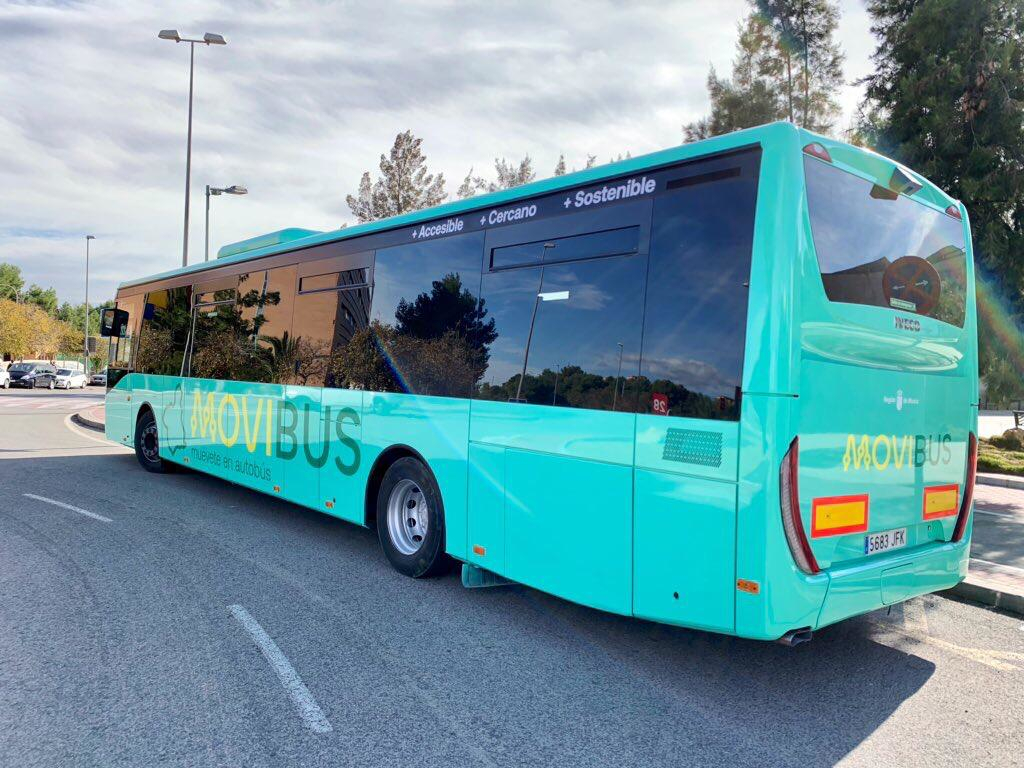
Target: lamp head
x=169, y=34
x=236, y=189
x=211, y=39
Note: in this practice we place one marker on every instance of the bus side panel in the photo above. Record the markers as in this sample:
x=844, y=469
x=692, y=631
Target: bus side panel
x=227, y=429
x=118, y=423
x=684, y=550
x=438, y=429
x=487, y=504
x=343, y=476
x=569, y=528
x=786, y=599
x=568, y=499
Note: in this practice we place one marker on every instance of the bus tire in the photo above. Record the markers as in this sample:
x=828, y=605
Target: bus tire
x=147, y=444
x=410, y=519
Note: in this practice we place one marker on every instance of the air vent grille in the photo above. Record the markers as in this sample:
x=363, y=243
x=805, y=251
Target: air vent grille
x=693, y=446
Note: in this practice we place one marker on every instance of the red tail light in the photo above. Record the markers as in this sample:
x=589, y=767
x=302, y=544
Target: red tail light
x=818, y=150
x=789, y=500
x=965, y=505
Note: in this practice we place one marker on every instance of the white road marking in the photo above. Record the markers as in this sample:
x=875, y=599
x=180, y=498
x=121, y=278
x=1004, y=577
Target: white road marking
x=62, y=505
x=309, y=710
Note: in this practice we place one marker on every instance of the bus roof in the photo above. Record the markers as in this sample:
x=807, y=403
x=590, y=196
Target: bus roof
x=272, y=243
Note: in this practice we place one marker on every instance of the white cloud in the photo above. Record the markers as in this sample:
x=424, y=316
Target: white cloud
x=305, y=97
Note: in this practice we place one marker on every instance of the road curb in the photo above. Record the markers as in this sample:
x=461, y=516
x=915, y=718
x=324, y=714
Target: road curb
x=84, y=421
x=1002, y=481
x=994, y=598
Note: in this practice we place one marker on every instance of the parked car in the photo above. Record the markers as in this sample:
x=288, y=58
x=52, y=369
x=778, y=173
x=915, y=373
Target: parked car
x=30, y=375
x=68, y=378
x=5, y=378
x=99, y=378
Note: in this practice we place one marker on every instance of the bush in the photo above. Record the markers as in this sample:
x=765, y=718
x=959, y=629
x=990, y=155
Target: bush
x=1010, y=440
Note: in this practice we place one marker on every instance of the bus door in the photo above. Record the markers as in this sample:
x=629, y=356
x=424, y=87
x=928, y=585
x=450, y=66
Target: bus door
x=551, y=430
x=121, y=333
x=888, y=374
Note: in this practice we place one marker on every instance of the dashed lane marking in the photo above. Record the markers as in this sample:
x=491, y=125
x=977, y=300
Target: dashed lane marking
x=71, y=507
x=312, y=716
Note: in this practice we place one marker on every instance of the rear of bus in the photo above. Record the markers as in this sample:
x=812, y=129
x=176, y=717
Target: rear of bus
x=877, y=466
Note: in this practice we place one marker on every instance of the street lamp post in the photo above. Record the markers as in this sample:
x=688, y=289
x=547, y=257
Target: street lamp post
x=234, y=189
x=85, y=355
x=618, y=375
x=207, y=39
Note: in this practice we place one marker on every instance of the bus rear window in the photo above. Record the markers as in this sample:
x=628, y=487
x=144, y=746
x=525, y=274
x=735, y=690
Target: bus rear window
x=878, y=248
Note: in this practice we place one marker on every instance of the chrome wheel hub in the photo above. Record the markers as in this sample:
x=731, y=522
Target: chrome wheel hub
x=408, y=517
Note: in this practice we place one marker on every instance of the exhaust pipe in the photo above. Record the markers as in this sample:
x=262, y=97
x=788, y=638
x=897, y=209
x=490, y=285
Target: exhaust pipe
x=796, y=637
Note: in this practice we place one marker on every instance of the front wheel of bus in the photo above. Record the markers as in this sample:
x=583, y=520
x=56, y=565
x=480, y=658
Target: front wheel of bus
x=410, y=519
x=147, y=444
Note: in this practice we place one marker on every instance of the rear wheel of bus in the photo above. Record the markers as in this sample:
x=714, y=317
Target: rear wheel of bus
x=410, y=519
x=147, y=444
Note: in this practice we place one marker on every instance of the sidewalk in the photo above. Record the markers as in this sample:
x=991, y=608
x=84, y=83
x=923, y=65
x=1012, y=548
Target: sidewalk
x=996, y=574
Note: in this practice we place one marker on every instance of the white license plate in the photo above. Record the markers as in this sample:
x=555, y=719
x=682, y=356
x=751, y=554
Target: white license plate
x=883, y=541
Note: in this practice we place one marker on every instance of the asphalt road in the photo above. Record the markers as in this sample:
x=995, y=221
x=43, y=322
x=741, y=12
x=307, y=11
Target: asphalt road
x=180, y=620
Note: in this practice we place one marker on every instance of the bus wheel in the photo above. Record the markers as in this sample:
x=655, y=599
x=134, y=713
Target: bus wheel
x=147, y=444
x=410, y=519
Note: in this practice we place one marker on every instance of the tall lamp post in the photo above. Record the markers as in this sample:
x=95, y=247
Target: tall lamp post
x=85, y=355
x=234, y=189
x=207, y=39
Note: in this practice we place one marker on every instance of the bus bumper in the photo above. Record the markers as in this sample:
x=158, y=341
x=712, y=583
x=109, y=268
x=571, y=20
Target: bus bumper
x=869, y=586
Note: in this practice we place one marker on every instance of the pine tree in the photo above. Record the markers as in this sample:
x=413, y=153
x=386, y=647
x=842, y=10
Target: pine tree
x=509, y=175
x=947, y=99
x=767, y=72
x=560, y=167
x=404, y=184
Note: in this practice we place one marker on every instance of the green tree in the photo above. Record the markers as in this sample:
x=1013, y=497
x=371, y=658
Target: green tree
x=44, y=298
x=804, y=32
x=404, y=183
x=448, y=308
x=947, y=99
x=787, y=66
x=11, y=282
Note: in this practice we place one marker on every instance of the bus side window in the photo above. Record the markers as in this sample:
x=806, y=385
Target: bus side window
x=696, y=312
x=166, y=319
x=568, y=333
x=331, y=309
x=429, y=333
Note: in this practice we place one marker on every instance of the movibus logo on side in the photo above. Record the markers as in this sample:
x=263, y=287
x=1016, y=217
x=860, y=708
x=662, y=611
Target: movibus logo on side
x=278, y=426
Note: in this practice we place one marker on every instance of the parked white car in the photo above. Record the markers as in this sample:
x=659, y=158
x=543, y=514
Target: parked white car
x=99, y=378
x=70, y=379
x=5, y=378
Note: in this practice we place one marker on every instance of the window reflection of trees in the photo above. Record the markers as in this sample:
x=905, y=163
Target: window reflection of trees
x=438, y=345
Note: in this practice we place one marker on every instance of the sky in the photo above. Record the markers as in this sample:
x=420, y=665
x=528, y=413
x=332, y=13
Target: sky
x=307, y=95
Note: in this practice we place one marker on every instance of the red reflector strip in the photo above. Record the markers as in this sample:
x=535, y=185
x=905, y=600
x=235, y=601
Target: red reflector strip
x=478, y=550
x=941, y=501
x=835, y=515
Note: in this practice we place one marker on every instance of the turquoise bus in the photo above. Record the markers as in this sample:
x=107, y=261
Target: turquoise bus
x=731, y=385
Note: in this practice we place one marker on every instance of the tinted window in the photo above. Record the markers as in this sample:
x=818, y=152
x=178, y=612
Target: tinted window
x=324, y=323
x=165, y=328
x=608, y=243
x=696, y=312
x=334, y=280
x=122, y=347
x=428, y=333
x=879, y=248
x=575, y=327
